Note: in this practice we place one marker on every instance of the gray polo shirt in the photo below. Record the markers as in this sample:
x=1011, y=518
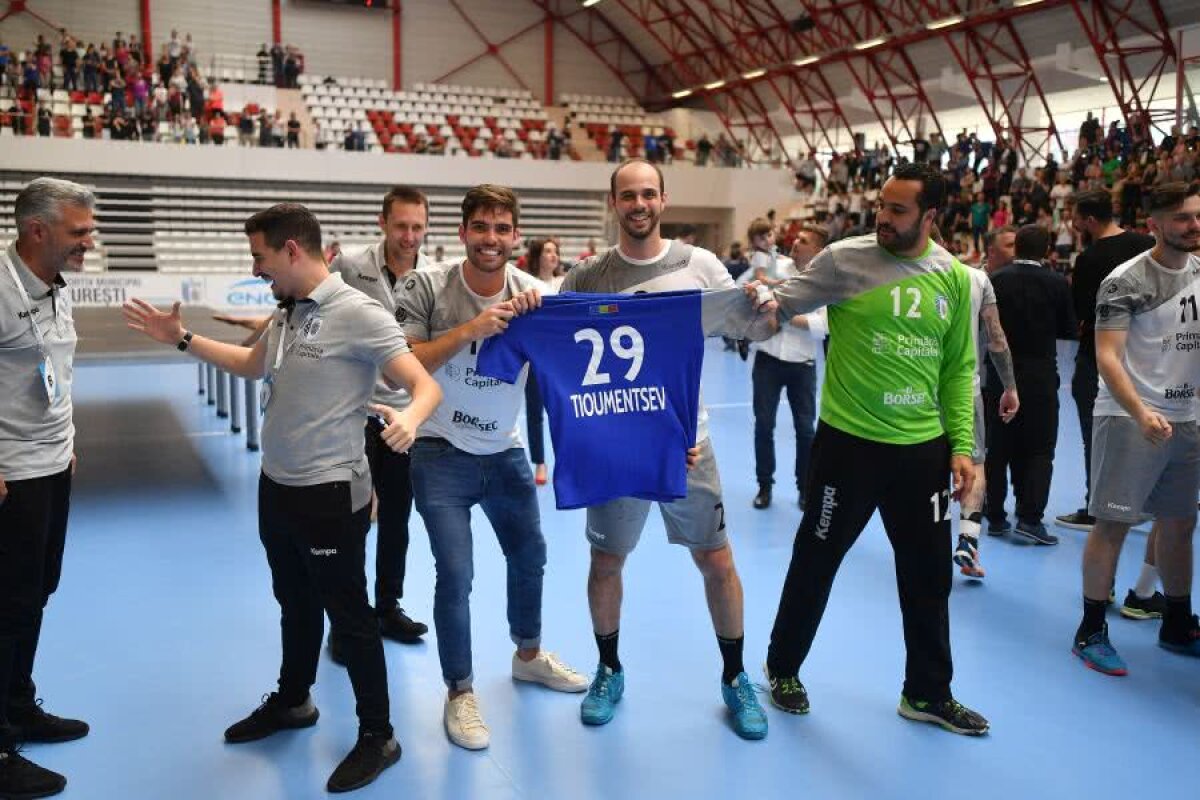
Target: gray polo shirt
x=364, y=270
x=478, y=414
x=334, y=343
x=37, y=435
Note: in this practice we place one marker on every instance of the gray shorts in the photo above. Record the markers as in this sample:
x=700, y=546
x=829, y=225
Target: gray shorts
x=1132, y=477
x=696, y=521
x=979, y=454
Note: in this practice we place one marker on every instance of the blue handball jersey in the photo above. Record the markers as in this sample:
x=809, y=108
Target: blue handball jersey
x=620, y=378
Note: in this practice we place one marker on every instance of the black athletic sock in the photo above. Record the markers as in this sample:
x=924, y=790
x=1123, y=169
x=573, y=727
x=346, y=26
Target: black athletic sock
x=607, y=645
x=1177, y=618
x=291, y=698
x=1093, y=619
x=731, y=654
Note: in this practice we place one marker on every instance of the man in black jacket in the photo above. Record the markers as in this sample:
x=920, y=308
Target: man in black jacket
x=1035, y=310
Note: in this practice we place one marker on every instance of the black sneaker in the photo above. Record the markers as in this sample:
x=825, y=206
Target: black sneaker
x=1151, y=607
x=948, y=714
x=1079, y=520
x=394, y=624
x=1036, y=532
x=32, y=724
x=271, y=717
x=763, y=498
x=743, y=349
x=21, y=778
x=372, y=754
x=999, y=527
x=787, y=694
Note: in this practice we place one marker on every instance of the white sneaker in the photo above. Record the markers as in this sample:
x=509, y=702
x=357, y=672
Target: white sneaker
x=546, y=669
x=464, y=724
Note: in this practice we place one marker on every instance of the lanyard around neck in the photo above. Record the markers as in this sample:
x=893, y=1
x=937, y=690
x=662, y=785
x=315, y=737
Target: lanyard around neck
x=25, y=298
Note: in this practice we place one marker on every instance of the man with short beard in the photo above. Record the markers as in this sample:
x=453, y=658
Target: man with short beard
x=643, y=261
x=470, y=454
x=898, y=397
x=1146, y=446
x=55, y=229
x=1107, y=246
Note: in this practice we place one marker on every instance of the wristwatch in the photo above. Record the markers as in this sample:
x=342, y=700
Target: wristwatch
x=185, y=341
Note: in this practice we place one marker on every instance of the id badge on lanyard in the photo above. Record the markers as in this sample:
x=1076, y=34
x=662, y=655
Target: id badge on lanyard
x=266, y=390
x=46, y=367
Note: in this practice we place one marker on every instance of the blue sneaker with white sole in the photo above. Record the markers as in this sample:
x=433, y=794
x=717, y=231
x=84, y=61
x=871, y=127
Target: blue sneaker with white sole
x=601, y=701
x=749, y=719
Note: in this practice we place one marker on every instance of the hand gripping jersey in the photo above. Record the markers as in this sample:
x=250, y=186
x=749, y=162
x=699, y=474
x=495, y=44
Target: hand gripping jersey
x=620, y=378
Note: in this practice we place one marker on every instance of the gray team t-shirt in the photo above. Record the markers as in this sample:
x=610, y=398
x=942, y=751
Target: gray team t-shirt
x=478, y=414
x=37, y=435
x=982, y=294
x=364, y=270
x=1159, y=308
x=334, y=343
x=677, y=267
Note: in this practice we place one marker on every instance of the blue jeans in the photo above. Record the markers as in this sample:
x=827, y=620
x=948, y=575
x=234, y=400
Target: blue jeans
x=447, y=482
x=771, y=377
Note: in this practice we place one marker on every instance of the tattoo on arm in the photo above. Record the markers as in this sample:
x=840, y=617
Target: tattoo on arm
x=1002, y=361
x=998, y=346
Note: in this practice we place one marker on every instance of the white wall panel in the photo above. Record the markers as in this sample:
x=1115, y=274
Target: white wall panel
x=339, y=40
x=93, y=21
x=350, y=41
x=237, y=27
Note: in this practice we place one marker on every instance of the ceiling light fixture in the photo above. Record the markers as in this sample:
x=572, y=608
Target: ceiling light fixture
x=682, y=93
x=804, y=62
x=869, y=43
x=944, y=23
x=755, y=73
x=589, y=3
x=714, y=85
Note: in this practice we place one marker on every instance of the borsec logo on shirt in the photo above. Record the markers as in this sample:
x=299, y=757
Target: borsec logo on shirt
x=312, y=328
x=409, y=284
x=942, y=305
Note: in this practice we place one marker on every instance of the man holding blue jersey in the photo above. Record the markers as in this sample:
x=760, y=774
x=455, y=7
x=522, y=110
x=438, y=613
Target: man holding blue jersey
x=643, y=261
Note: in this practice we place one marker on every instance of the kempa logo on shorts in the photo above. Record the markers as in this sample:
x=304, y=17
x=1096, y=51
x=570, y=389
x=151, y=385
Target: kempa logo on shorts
x=828, y=504
x=1185, y=391
x=1116, y=507
x=323, y=551
x=905, y=397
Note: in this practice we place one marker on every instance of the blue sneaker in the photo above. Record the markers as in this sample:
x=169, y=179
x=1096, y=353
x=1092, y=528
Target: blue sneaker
x=601, y=701
x=1097, y=653
x=749, y=720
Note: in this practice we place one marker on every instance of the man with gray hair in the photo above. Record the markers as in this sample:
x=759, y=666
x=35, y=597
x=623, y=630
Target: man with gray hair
x=55, y=225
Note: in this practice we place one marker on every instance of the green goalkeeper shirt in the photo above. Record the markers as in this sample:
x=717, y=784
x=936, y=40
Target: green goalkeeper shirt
x=901, y=366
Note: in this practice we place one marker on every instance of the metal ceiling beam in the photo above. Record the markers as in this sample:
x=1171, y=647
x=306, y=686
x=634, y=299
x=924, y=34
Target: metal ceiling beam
x=1002, y=78
x=692, y=69
x=593, y=30
x=1110, y=26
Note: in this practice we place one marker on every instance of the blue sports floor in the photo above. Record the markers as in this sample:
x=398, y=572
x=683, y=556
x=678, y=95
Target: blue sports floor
x=165, y=631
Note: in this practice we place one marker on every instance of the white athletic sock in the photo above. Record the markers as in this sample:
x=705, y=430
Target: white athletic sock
x=1146, y=581
x=969, y=527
